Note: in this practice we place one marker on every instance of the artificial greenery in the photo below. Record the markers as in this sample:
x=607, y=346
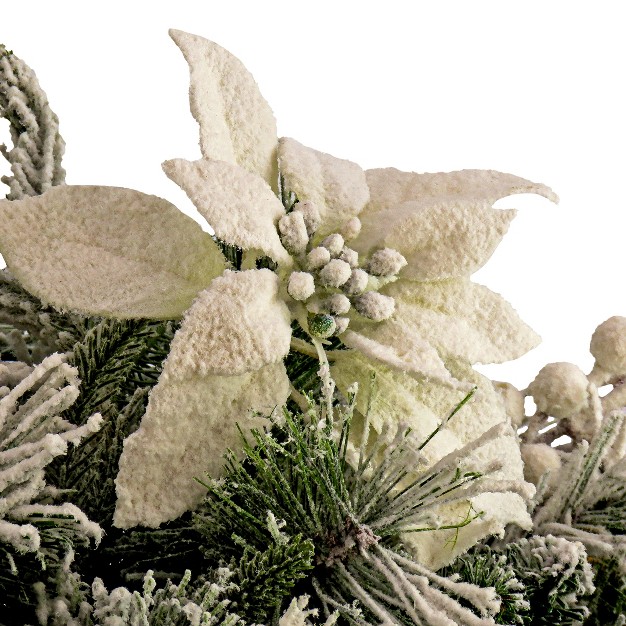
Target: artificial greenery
x=118, y=362
x=311, y=518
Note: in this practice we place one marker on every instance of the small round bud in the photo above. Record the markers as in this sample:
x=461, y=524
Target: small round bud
x=335, y=273
x=560, y=390
x=386, y=262
x=316, y=258
x=293, y=233
x=342, y=324
x=300, y=286
x=608, y=345
x=311, y=214
x=321, y=326
x=540, y=458
x=334, y=244
x=375, y=306
x=357, y=283
x=351, y=229
x=338, y=304
x=351, y=257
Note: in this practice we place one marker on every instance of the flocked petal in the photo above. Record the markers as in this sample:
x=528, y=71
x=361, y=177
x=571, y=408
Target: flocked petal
x=389, y=395
x=236, y=123
x=390, y=187
x=335, y=186
x=107, y=251
x=188, y=425
x=409, y=354
x=236, y=325
x=443, y=238
x=240, y=207
x=459, y=318
x=485, y=410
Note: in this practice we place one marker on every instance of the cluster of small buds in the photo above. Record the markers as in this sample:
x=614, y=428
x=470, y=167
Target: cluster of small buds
x=329, y=278
x=570, y=407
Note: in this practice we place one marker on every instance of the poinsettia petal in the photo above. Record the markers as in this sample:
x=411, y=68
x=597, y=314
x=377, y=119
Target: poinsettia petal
x=409, y=353
x=442, y=238
x=486, y=409
x=390, y=187
x=107, y=251
x=188, y=426
x=457, y=317
x=240, y=207
x=236, y=325
x=335, y=186
x=236, y=123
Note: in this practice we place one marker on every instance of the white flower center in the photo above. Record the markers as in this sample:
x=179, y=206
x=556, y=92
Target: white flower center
x=329, y=278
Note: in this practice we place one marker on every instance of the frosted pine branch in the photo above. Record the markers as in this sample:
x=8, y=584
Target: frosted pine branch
x=37, y=145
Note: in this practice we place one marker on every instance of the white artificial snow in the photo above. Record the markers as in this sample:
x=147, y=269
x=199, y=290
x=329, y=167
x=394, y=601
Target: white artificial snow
x=334, y=244
x=357, y=283
x=385, y=262
x=560, y=389
x=293, y=233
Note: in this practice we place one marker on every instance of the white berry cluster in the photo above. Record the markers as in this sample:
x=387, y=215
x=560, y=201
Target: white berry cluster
x=329, y=279
x=571, y=403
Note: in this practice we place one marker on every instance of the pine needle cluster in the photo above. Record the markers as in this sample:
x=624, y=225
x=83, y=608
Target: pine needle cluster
x=338, y=526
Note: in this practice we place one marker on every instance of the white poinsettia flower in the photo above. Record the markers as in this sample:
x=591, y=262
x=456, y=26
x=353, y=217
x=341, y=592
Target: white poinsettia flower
x=379, y=258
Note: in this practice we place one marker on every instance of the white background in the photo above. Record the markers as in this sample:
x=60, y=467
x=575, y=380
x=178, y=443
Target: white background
x=531, y=88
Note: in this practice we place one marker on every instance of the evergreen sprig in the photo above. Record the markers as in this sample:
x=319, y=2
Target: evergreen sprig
x=37, y=144
x=354, y=514
x=118, y=362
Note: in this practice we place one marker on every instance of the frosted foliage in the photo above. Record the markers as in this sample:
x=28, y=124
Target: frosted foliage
x=37, y=145
x=107, y=251
x=236, y=123
x=392, y=395
x=32, y=434
x=560, y=389
x=458, y=318
x=337, y=187
x=390, y=187
x=240, y=207
x=236, y=325
x=160, y=460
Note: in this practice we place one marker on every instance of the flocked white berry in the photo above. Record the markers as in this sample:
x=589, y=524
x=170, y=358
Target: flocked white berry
x=342, y=324
x=386, y=262
x=316, y=258
x=334, y=244
x=560, y=390
x=311, y=214
x=338, y=304
x=357, y=283
x=608, y=345
x=300, y=286
x=351, y=229
x=335, y=273
x=293, y=233
x=351, y=257
x=375, y=306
